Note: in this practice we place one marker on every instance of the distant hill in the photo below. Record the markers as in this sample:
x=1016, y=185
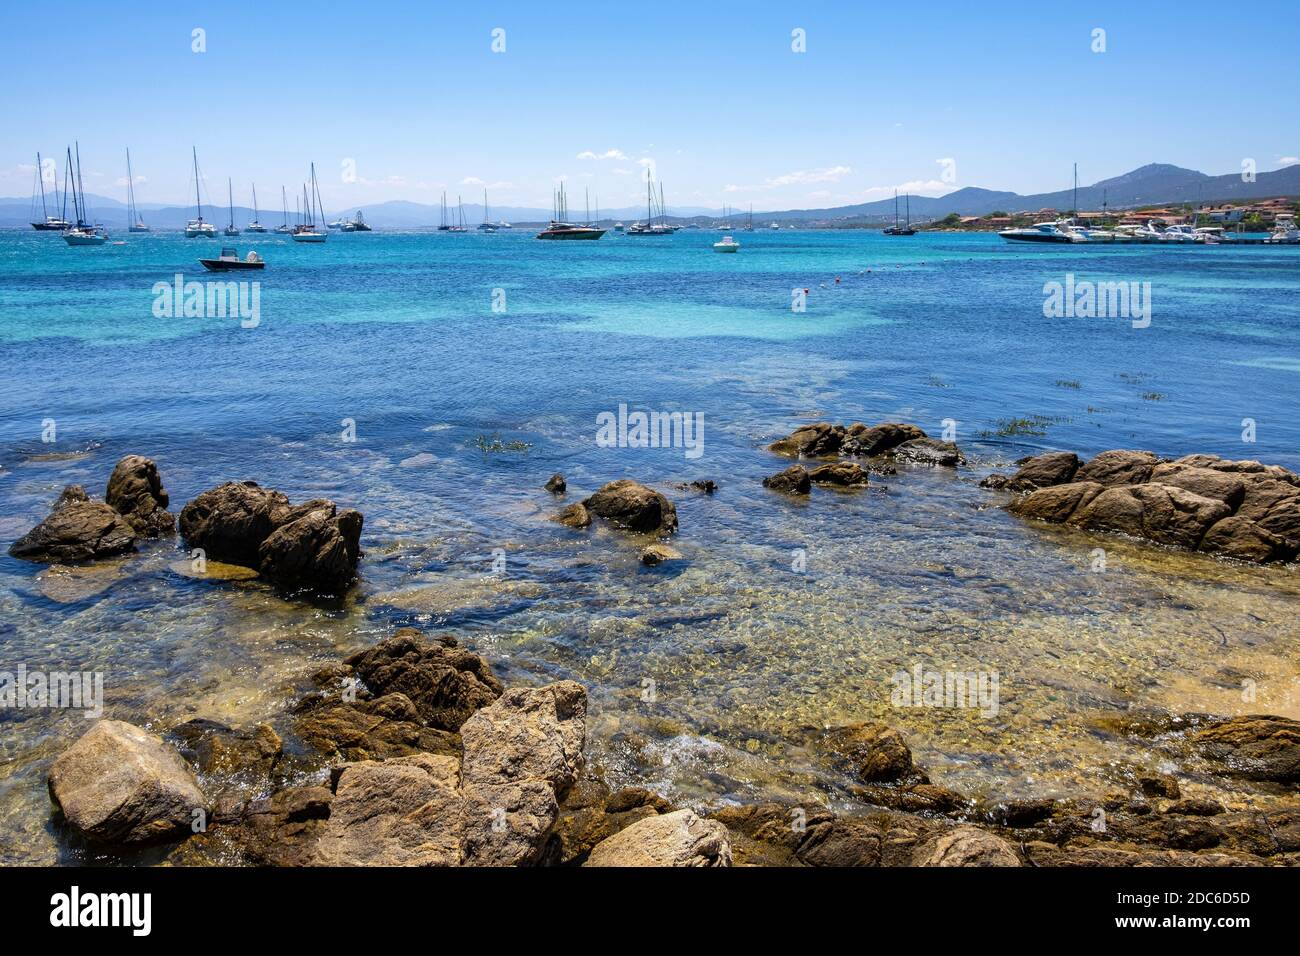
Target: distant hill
x=1153, y=184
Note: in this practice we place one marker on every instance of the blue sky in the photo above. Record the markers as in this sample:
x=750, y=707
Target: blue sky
x=713, y=97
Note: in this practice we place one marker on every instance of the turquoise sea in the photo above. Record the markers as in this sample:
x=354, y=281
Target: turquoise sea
x=461, y=412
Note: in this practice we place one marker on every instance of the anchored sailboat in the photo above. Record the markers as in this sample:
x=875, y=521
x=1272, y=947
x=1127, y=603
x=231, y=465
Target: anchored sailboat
x=653, y=210
x=47, y=223
x=231, y=229
x=306, y=230
x=896, y=229
x=255, y=225
x=83, y=233
x=284, y=228
x=134, y=222
x=486, y=225
x=197, y=228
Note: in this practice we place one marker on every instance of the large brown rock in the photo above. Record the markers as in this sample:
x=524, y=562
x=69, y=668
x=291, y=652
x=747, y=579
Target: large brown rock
x=1243, y=539
x=522, y=753
x=282, y=829
x=446, y=684
x=316, y=548
x=677, y=839
x=1253, y=470
x=793, y=481
x=846, y=474
x=136, y=492
x=1046, y=470
x=810, y=441
x=879, y=438
x=1056, y=503
x=930, y=451
x=371, y=730
x=231, y=521
x=965, y=846
x=870, y=752
x=1274, y=505
x=1112, y=468
x=1206, y=482
x=402, y=812
x=119, y=784
x=1162, y=513
x=77, y=529
x=631, y=505
x=1257, y=747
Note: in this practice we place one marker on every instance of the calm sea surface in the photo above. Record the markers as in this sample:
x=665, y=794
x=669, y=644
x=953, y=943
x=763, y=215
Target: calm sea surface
x=710, y=677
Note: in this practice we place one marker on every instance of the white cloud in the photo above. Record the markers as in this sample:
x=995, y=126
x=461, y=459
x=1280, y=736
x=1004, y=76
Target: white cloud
x=607, y=154
x=917, y=187
x=800, y=177
x=1288, y=160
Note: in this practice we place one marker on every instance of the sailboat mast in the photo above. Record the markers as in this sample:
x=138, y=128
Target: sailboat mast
x=284, y=206
x=67, y=170
x=230, y=197
x=1076, y=190
x=40, y=177
x=198, y=200
x=254, y=202
x=907, y=199
x=79, y=190
x=130, y=190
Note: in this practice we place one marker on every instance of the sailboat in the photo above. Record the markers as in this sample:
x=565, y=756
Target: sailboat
x=896, y=229
x=725, y=225
x=284, y=228
x=442, y=215
x=560, y=228
x=358, y=224
x=231, y=229
x=196, y=228
x=134, y=222
x=486, y=225
x=254, y=225
x=306, y=230
x=749, y=222
x=47, y=222
x=650, y=227
x=83, y=233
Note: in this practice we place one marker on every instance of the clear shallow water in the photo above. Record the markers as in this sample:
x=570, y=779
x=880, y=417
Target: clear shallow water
x=396, y=332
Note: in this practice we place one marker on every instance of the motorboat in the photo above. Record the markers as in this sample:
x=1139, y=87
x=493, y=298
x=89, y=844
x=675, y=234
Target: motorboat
x=1041, y=232
x=1284, y=232
x=229, y=261
x=726, y=244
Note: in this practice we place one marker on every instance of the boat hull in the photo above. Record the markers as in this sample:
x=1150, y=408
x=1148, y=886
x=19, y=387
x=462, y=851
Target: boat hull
x=570, y=235
x=310, y=236
x=80, y=240
x=50, y=226
x=229, y=265
x=1030, y=237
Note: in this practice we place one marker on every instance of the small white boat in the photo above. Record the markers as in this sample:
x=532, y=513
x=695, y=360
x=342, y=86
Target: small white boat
x=774, y=225
x=306, y=231
x=85, y=236
x=726, y=244
x=618, y=227
x=1180, y=234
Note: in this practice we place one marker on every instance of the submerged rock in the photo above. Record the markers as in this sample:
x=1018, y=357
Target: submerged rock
x=77, y=529
x=119, y=784
x=556, y=484
x=677, y=839
x=658, y=554
x=215, y=748
x=870, y=752
x=136, y=492
x=1257, y=747
x=1243, y=539
x=793, y=481
x=575, y=515
x=631, y=505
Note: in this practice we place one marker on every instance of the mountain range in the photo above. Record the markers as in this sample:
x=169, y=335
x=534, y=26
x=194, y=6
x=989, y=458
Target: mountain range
x=1153, y=184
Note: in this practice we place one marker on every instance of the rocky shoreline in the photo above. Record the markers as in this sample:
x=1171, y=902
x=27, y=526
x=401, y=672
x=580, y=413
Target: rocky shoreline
x=412, y=752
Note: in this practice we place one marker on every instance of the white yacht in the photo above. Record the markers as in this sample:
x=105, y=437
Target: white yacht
x=1285, y=231
x=726, y=244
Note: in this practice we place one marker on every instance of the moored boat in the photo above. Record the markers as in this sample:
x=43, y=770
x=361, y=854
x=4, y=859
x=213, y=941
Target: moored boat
x=83, y=233
x=306, y=230
x=229, y=261
x=48, y=222
x=197, y=228
x=726, y=244
x=134, y=221
x=560, y=229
